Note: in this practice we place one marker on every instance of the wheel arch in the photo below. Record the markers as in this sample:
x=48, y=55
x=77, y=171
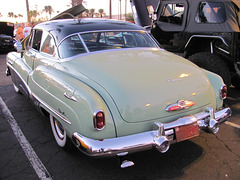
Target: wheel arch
x=216, y=82
x=201, y=43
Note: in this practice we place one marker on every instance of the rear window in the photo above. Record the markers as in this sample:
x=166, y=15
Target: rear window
x=211, y=12
x=97, y=41
x=71, y=46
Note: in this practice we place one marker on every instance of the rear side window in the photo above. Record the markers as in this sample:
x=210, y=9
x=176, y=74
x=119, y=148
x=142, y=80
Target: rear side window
x=48, y=45
x=211, y=12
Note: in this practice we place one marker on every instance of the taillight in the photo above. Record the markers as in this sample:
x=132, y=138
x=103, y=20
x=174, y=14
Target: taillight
x=99, y=120
x=223, y=92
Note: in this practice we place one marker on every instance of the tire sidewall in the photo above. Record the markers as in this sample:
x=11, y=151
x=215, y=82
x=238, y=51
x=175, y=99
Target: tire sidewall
x=60, y=141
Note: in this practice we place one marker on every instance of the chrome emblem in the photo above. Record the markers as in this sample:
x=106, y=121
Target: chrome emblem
x=181, y=104
x=173, y=80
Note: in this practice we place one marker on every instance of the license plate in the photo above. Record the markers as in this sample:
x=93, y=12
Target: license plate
x=186, y=132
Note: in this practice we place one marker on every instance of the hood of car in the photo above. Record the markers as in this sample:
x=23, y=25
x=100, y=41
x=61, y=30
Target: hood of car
x=144, y=82
x=71, y=12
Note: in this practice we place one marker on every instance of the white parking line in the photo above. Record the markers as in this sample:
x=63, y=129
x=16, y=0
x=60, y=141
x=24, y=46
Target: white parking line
x=36, y=163
x=232, y=124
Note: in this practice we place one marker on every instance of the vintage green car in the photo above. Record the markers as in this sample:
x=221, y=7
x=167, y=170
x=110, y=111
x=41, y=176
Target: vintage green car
x=108, y=87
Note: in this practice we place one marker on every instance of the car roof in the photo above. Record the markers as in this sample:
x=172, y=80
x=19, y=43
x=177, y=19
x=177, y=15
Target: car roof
x=64, y=27
x=231, y=23
x=197, y=1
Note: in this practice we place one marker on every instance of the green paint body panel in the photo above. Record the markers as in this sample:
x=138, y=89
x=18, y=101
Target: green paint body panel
x=132, y=86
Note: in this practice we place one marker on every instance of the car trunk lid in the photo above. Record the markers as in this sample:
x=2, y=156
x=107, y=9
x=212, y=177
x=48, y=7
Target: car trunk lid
x=143, y=82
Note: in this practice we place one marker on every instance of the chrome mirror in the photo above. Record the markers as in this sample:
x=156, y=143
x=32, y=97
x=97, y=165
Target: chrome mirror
x=18, y=46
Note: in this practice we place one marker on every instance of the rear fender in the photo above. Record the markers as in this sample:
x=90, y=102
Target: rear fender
x=71, y=101
x=203, y=43
x=216, y=82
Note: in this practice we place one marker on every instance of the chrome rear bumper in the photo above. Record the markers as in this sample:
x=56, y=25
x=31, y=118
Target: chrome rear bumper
x=159, y=139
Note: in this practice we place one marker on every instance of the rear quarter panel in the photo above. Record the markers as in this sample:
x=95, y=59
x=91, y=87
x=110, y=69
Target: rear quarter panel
x=216, y=82
x=48, y=85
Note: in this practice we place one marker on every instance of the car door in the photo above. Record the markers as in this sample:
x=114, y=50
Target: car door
x=33, y=47
x=171, y=23
x=24, y=66
x=49, y=85
x=47, y=52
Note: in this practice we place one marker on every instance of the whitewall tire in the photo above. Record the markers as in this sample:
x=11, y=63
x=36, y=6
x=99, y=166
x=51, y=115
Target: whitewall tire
x=59, y=133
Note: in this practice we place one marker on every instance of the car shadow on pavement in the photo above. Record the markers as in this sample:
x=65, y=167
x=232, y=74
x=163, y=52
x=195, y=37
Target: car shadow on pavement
x=148, y=165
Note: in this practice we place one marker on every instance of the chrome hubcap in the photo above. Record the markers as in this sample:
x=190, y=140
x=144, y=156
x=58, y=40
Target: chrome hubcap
x=59, y=129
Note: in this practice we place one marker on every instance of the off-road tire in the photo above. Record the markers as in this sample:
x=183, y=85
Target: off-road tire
x=213, y=63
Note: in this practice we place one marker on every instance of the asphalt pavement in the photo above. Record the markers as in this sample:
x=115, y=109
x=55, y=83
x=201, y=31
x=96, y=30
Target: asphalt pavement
x=207, y=157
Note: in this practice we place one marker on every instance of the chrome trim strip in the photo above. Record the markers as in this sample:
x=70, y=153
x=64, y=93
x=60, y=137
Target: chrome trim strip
x=223, y=50
x=84, y=44
x=118, y=30
x=50, y=108
x=148, y=140
x=85, y=32
x=9, y=62
x=113, y=30
x=211, y=47
x=66, y=38
x=202, y=36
